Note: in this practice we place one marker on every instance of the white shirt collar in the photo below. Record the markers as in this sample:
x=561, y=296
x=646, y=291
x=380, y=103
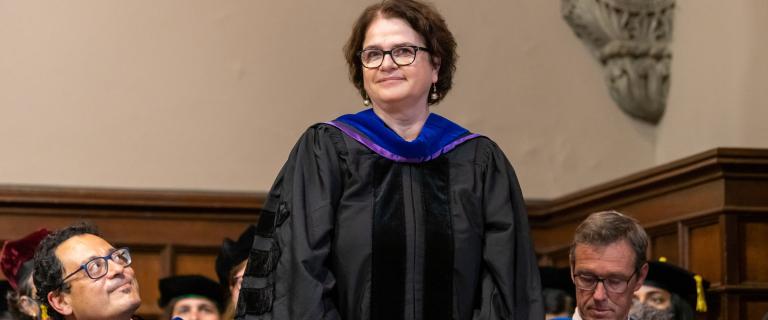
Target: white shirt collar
x=577, y=316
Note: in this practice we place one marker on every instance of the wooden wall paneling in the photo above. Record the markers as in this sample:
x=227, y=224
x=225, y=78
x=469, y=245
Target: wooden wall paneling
x=711, y=220
x=748, y=189
x=183, y=229
x=754, y=252
x=664, y=194
x=705, y=252
x=664, y=243
x=678, y=201
x=548, y=239
x=561, y=257
x=729, y=306
x=663, y=205
x=147, y=264
x=196, y=260
x=731, y=265
x=168, y=262
x=683, y=244
x=743, y=304
x=665, y=246
x=754, y=306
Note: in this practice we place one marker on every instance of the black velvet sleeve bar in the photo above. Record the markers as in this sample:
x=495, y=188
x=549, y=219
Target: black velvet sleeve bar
x=287, y=276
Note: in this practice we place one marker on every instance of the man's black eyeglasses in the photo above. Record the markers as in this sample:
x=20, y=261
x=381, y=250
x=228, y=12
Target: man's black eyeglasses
x=99, y=266
x=613, y=284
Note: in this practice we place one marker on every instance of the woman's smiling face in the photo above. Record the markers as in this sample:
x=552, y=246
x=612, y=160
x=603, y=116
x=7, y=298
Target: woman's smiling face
x=390, y=84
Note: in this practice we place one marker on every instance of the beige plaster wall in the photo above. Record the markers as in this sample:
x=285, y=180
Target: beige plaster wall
x=719, y=90
x=192, y=94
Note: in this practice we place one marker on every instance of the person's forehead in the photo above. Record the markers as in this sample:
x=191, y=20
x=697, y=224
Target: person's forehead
x=617, y=257
x=80, y=248
x=194, y=301
x=383, y=29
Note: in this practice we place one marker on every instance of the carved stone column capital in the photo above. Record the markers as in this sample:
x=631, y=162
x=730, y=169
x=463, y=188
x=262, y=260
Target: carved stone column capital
x=630, y=38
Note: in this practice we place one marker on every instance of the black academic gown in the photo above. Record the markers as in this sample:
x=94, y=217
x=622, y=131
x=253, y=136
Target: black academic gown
x=349, y=234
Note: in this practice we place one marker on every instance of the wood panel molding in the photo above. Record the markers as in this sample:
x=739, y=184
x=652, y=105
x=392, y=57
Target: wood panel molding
x=712, y=165
x=156, y=202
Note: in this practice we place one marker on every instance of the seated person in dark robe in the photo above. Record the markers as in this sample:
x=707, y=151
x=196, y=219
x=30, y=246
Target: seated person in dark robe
x=672, y=290
x=17, y=266
x=5, y=288
x=558, y=293
x=191, y=297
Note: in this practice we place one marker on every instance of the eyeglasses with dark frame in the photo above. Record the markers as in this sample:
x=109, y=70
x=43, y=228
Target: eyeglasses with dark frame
x=589, y=282
x=99, y=266
x=401, y=56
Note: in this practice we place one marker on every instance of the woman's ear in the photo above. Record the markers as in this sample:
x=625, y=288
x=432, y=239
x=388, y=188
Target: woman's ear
x=435, y=69
x=436, y=63
x=60, y=302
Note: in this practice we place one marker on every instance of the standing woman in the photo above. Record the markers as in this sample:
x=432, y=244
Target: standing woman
x=394, y=212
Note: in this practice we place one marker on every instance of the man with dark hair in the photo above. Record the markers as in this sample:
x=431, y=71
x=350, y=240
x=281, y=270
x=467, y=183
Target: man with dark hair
x=608, y=265
x=79, y=275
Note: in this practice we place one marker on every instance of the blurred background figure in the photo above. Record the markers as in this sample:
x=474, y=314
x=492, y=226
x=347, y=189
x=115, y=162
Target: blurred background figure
x=558, y=293
x=672, y=290
x=230, y=266
x=17, y=266
x=5, y=287
x=642, y=311
x=191, y=297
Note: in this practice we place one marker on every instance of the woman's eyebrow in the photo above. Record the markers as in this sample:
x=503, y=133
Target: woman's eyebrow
x=397, y=45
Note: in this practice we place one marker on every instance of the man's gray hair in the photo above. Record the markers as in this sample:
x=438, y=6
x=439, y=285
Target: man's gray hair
x=607, y=227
